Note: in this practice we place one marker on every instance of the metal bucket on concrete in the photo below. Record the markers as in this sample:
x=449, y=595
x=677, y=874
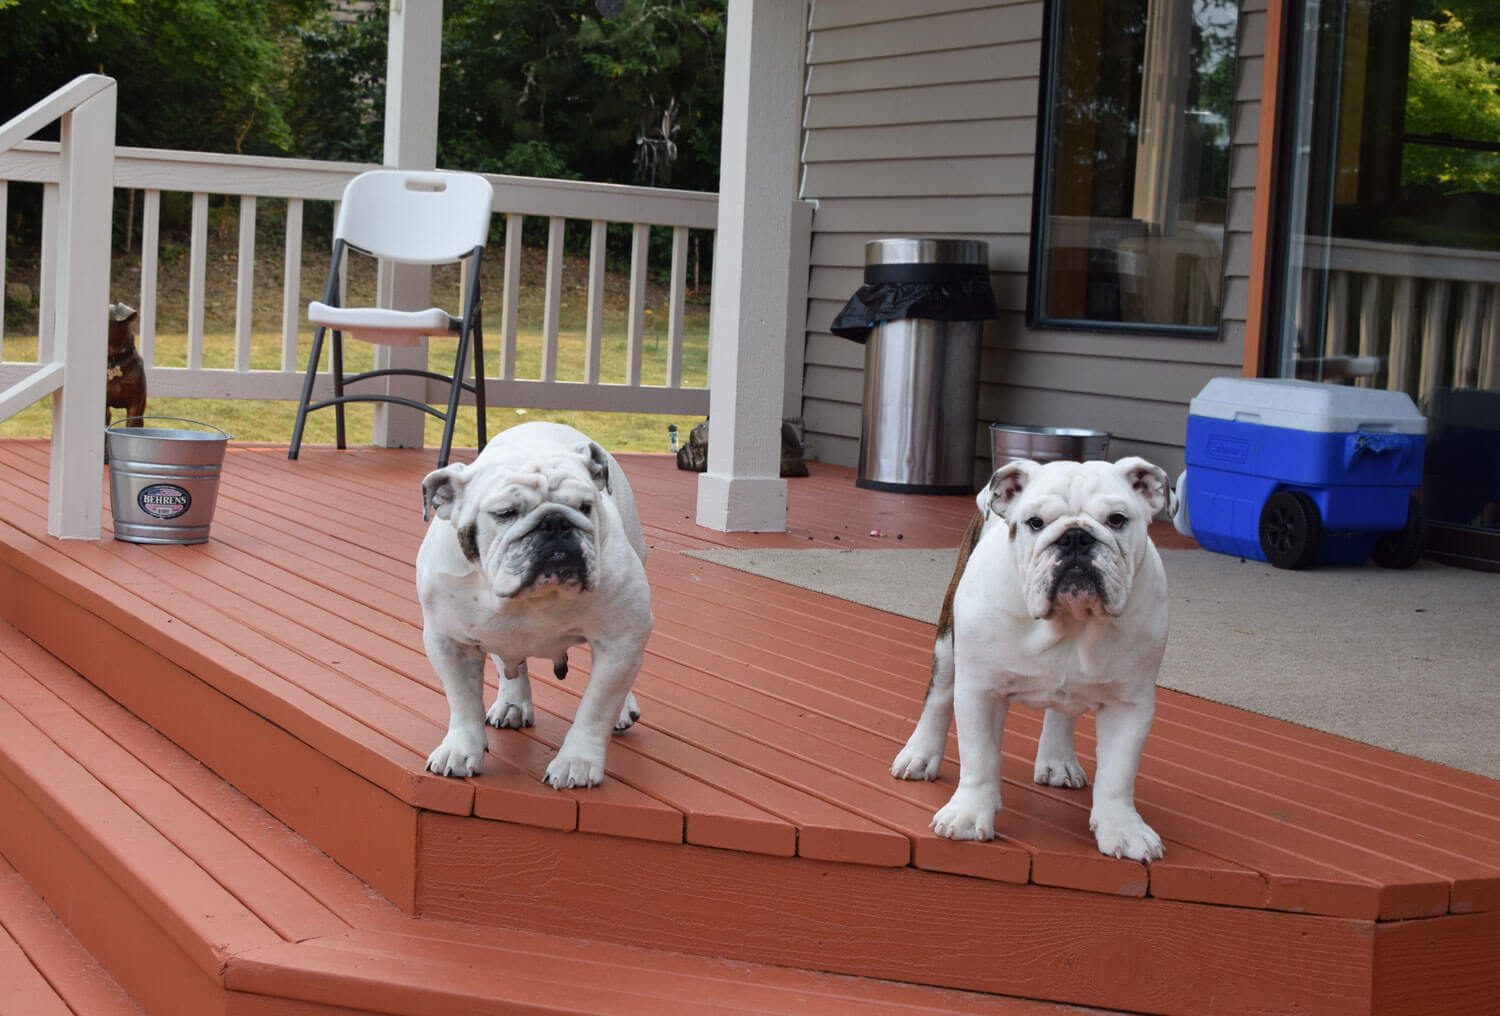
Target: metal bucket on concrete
x=163, y=481
x=1009, y=442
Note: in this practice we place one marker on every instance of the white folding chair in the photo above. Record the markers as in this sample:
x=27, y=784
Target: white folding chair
x=413, y=218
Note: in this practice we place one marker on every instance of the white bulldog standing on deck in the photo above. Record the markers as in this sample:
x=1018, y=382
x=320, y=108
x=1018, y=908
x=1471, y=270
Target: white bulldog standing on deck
x=1059, y=601
x=536, y=547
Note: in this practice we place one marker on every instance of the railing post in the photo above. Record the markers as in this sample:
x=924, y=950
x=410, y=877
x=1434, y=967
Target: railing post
x=75, y=503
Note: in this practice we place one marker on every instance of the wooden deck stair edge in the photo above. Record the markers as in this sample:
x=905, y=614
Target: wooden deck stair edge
x=188, y=896
x=44, y=969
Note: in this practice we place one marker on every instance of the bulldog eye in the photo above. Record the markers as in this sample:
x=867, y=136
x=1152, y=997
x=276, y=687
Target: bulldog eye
x=1117, y=520
x=504, y=515
x=1035, y=524
x=587, y=508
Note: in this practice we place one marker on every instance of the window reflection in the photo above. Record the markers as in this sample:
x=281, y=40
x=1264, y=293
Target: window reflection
x=1134, y=175
x=1392, y=274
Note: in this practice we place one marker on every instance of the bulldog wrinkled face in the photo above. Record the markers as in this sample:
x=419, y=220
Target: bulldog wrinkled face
x=532, y=531
x=536, y=535
x=1079, y=530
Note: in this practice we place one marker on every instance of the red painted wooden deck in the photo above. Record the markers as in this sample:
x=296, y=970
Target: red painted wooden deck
x=210, y=756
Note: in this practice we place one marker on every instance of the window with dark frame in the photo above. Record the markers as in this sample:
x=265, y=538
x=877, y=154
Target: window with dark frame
x=1133, y=165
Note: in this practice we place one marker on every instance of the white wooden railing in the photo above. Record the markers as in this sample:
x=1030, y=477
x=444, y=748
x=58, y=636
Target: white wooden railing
x=298, y=181
x=71, y=356
x=1424, y=317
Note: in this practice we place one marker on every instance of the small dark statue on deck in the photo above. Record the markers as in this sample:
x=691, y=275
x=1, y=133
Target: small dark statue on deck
x=125, y=382
x=693, y=456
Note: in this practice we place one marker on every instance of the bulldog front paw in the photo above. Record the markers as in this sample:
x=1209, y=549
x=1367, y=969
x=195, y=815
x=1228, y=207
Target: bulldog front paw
x=461, y=754
x=967, y=816
x=629, y=713
x=568, y=771
x=1125, y=834
x=1052, y=772
x=915, y=763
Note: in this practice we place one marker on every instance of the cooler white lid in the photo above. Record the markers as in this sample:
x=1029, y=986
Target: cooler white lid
x=1308, y=405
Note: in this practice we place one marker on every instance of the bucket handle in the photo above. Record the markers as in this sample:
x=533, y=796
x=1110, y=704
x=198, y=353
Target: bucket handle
x=176, y=419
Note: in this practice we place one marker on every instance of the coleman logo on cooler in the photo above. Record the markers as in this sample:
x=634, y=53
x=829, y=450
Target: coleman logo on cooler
x=163, y=500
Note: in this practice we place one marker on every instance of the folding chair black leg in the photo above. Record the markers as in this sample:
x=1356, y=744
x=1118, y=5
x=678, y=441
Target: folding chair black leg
x=338, y=385
x=460, y=361
x=479, y=404
x=307, y=387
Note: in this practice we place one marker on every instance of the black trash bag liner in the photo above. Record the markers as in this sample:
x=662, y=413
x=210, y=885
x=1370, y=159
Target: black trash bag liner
x=937, y=292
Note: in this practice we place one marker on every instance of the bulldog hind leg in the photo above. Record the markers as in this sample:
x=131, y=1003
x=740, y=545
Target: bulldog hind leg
x=629, y=713
x=512, y=708
x=1056, y=762
x=922, y=756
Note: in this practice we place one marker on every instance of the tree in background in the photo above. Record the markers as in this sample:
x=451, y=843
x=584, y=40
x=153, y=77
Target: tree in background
x=1453, y=93
x=530, y=87
x=203, y=75
x=533, y=87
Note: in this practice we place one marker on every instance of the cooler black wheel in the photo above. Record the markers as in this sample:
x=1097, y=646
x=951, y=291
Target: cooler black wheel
x=1402, y=548
x=1291, y=529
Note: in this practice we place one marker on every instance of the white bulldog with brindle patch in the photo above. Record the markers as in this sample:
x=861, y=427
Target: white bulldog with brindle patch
x=1059, y=602
x=536, y=547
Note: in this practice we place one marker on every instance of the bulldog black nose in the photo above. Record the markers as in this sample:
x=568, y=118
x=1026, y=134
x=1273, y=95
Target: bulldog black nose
x=552, y=525
x=1075, y=540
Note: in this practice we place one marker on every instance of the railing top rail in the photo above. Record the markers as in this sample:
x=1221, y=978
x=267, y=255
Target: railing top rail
x=43, y=112
x=1376, y=258
x=269, y=176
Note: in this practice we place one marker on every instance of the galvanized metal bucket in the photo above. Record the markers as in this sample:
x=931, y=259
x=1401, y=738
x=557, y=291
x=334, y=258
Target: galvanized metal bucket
x=163, y=481
x=1009, y=442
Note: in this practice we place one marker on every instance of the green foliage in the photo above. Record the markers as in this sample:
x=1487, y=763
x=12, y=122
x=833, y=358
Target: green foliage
x=193, y=74
x=530, y=87
x=1453, y=90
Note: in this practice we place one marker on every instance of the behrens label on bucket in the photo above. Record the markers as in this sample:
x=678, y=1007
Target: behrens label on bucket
x=164, y=500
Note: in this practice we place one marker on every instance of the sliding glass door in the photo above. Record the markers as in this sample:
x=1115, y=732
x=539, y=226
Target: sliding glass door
x=1391, y=245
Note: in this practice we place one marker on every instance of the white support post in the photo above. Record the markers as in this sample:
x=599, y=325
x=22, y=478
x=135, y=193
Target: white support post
x=75, y=498
x=413, y=62
x=743, y=489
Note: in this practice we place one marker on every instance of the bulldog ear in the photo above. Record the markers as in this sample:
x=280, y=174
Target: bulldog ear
x=1151, y=483
x=441, y=490
x=1005, y=486
x=598, y=461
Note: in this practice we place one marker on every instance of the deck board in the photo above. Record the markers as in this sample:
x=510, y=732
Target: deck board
x=771, y=715
x=44, y=971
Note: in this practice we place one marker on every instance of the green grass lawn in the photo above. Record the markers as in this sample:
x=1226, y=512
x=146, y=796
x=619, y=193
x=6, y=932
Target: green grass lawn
x=260, y=421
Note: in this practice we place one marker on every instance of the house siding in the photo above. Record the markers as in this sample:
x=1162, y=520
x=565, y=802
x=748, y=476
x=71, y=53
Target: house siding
x=921, y=120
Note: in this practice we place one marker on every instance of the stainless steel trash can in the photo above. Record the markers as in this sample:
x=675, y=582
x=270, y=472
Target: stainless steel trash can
x=921, y=390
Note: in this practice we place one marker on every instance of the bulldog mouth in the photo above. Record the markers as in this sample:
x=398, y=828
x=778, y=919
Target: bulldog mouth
x=1077, y=589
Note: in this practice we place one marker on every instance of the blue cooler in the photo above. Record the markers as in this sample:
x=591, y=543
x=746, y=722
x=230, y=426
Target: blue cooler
x=1316, y=472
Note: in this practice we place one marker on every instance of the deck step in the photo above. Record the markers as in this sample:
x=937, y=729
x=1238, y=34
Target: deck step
x=197, y=901
x=44, y=970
